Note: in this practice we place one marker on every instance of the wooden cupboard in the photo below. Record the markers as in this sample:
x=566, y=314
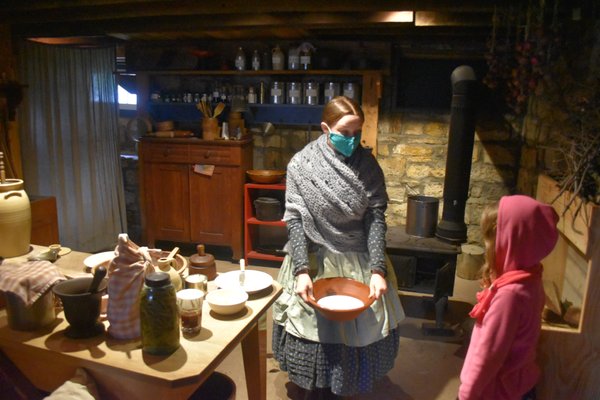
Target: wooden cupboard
x=192, y=190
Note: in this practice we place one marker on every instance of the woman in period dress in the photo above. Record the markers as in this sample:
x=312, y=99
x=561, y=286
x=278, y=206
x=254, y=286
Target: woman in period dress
x=335, y=204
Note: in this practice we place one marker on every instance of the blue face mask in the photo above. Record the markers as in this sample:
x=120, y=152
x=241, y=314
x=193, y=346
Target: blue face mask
x=344, y=144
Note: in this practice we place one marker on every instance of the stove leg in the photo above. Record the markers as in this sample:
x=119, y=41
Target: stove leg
x=439, y=328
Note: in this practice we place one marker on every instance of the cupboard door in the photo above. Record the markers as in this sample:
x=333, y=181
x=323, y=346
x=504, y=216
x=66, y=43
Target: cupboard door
x=211, y=206
x=168, y=200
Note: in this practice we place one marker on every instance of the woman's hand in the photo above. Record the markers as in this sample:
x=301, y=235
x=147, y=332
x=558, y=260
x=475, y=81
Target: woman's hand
x=304, y=286
x=378, y=286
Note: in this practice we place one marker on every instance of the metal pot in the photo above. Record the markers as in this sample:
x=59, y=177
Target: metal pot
x=422, y=216
x=268, y=209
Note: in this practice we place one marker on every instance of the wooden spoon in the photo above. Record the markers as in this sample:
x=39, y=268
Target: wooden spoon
x=218, y=110
x=173, y=252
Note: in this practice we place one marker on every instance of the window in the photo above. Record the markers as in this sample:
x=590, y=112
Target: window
x=127, y=100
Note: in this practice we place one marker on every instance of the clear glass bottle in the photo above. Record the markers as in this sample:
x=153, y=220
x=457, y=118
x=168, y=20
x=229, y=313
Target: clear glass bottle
x=294, y=93
x=158, y=315
x=331, y=90
x=277, y=95
x=311, y=93
x=240, y=59
x=255, y=60
x=293, y=58
x=252, y=98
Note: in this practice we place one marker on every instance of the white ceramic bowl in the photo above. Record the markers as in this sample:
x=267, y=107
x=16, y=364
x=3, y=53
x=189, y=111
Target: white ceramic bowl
x=227, y=301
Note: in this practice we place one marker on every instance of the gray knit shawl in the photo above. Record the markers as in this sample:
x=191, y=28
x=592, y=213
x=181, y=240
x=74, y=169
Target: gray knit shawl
x=332, y=197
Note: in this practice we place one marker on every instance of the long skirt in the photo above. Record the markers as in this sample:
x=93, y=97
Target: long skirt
x=347, y=357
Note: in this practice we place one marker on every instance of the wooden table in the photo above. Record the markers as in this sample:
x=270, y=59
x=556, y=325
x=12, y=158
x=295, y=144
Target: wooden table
x=120, y=368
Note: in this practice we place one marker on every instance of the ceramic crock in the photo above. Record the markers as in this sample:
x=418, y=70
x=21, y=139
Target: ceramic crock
x=15, y=219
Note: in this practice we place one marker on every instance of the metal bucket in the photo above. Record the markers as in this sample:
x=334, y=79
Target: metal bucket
x=422, y=216
x=23, y=318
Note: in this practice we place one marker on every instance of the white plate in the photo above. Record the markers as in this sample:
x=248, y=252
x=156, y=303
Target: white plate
x=97, y=259
x=255, y=281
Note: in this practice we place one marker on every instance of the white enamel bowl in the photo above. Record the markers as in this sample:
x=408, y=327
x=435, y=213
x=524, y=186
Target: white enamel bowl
x=227, y=301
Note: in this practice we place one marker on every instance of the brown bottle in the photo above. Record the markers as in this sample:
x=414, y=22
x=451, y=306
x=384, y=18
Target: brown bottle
x=203, y=263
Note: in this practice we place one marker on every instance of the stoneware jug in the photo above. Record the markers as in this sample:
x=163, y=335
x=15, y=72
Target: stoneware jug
x=15, y=219
x=167, y=265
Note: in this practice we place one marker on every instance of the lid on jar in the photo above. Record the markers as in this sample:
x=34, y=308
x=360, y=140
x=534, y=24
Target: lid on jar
x=156, y=279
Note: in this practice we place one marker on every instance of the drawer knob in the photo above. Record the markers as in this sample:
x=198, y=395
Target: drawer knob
x=207, y=154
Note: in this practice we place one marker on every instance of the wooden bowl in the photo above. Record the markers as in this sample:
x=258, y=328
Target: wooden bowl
x=265, y=175
x=165, y=126
x=182, y=262
x=340, y=286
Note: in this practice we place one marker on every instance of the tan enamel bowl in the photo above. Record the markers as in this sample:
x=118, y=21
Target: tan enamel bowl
x=340, y=286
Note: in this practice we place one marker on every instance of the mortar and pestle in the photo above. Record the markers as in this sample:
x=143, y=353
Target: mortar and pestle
x=81, y=298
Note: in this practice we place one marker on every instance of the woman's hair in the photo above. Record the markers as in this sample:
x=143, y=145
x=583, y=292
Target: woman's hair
x=489, y=222
x=339, y=107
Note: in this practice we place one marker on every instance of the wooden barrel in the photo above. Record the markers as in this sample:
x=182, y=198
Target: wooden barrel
x=470, y=261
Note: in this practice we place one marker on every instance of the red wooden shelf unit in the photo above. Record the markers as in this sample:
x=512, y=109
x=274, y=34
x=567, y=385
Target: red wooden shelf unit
x=250, y=221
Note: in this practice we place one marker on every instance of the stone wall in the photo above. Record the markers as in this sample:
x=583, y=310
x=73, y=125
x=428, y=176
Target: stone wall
x=412, y=147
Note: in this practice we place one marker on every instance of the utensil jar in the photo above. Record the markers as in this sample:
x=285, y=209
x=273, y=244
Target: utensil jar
x=210, y=128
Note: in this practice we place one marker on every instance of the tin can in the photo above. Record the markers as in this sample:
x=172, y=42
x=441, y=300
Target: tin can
x=330, y=90
x=294, y=93
x=196, y=281
x=311, y=93
x=277, y=93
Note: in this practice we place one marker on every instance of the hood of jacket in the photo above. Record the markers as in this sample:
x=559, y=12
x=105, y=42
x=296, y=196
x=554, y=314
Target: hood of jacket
x=526, y=232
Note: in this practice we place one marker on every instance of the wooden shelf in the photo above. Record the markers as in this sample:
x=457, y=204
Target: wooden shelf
x=251, y=223
x=569, y=266
x=255, y=221
x=285, y=72
x=262, y=256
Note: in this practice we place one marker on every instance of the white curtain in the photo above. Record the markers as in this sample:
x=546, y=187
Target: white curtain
x=69, y=140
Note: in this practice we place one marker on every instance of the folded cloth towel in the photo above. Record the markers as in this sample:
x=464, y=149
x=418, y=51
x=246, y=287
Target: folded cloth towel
x=29, y=280
x=126, y=274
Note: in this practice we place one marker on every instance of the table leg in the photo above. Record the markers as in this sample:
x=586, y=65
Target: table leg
x=254, y=352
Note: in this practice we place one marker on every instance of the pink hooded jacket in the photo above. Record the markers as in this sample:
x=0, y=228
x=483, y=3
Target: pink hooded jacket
x=500, y=363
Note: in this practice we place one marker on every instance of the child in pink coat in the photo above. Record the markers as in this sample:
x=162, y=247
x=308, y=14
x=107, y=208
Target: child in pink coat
x=500, y=363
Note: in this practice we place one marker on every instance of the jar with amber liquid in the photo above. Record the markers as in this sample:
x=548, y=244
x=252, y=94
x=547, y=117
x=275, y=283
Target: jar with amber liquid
x=158, y=315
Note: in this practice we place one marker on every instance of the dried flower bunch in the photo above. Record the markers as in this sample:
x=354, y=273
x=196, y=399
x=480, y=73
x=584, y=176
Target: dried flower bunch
x=574, y=92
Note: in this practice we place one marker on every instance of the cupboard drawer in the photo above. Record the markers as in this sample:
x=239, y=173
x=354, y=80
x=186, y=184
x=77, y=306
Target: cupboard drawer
x=215, y=155
x=172, y=153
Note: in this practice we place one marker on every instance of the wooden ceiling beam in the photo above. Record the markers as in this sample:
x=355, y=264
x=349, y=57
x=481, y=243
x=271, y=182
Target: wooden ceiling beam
x=28, y=11
x=242, y=22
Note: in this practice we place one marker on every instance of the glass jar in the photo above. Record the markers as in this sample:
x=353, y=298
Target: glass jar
x=294, y=93
x=277, y=93
x=277, y=58
x=351, y=90
x=252, y=98
x=240, y=59
x=311, y=93
x=255, y=60
x=331, y=90
x=293, y=58
x=158, y=315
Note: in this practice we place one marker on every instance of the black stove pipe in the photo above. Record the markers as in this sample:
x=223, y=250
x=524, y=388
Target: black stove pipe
x=452, y=226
